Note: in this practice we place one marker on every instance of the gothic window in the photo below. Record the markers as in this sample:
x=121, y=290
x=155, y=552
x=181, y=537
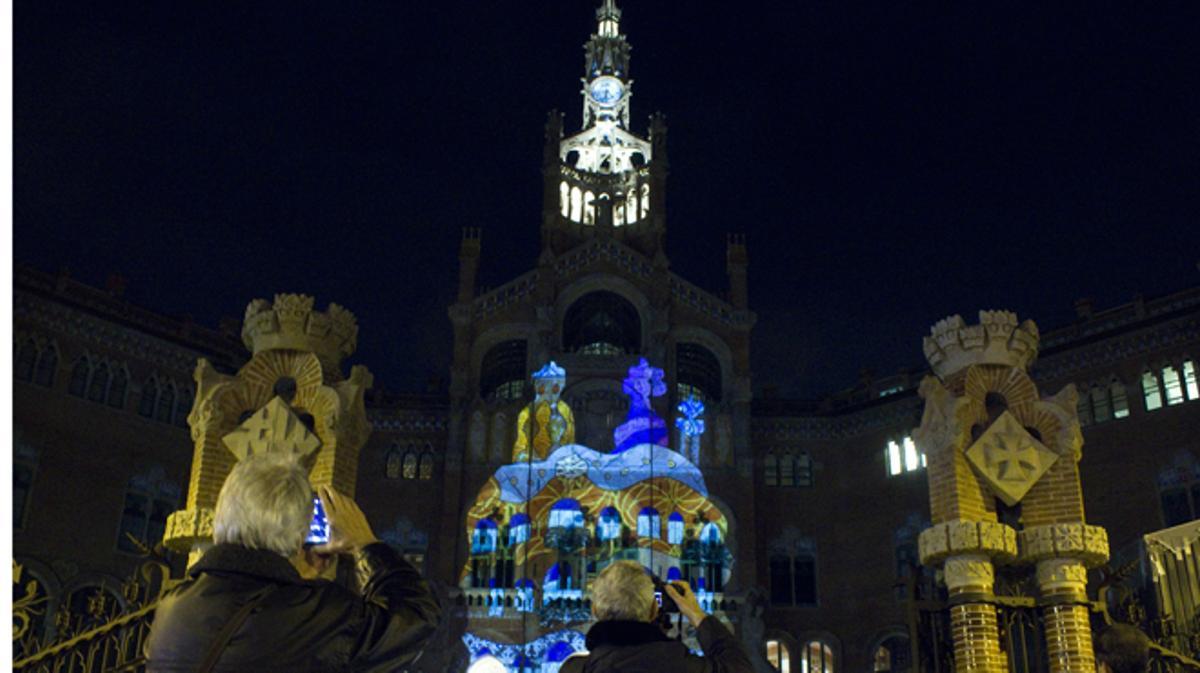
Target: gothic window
x=778, y=656
x=392, y=463
x=426, y=466
x=903, y=456
x=149, y=500
x=502, y=373
x=98, y=386
x=771, y=470
x=26, y=361
x=1083, y=407
x=645, y=200
x=117, y=388
x=787, y=471
x=564, y=198
x=24, y=467
x=576, y=204
x=80, y=374
x=149, y=397
x=1120, y=402
x=1101, y=405
x=816, y=657
x=893, y=655
x=165, y=407
x=697, y=368
x=1151, y=393
x=1172, y=385
x=793, y=577
x=47, y=366
x=602, y=323
x=589, y=208
x=1189, y=380
x=183, y=407
x=410, y=463
x=1179, y=490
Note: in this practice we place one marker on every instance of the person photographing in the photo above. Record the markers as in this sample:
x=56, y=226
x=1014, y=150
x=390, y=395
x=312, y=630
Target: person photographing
x=252, y=601
x=626, y=638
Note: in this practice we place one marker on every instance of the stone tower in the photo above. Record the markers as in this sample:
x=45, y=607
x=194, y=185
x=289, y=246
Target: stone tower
x=1004, y=489
x=291, y=396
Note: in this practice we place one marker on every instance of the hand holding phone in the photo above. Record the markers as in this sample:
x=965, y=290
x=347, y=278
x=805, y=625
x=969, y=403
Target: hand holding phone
x=348, y=530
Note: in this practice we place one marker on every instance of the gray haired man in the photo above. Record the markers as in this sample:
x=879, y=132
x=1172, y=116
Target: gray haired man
x=251, y=602
x=626, y=639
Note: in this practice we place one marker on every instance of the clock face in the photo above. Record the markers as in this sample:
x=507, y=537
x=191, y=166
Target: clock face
x=607, y=91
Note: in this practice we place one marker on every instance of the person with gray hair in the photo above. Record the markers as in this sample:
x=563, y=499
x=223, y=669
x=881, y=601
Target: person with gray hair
x=254, y=600
x=625, y=637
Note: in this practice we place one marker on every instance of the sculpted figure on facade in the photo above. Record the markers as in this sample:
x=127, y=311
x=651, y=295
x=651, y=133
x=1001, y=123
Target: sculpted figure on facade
x=547, y=423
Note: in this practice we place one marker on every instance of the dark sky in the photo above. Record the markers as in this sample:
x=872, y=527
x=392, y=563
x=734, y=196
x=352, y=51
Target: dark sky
x=890, y=163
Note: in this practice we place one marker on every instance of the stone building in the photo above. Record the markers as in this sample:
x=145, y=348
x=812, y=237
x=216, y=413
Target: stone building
x=825, y=498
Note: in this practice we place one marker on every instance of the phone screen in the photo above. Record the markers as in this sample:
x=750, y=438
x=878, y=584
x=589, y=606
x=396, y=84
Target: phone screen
x=658, y=598
x=318, y=528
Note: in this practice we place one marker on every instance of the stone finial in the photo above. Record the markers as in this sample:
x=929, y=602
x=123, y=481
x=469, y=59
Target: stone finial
x=952, y=345
x=290, y=323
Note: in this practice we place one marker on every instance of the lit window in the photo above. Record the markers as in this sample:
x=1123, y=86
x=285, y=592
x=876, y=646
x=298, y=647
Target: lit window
x=589, y=208
x=391, y=468
x=816, y=657
x=608, y=28
x=564, y=198
x=631, y=208
x=1189, y=380
x=1151, y=392
x=409, y=471
x=601, y=348
x=777, y=656
x=426, y=469
x=911, y=460
x=1171, y=383
x=895, y=466
x=1120, y=403
x=645, y=200
x=576, y=204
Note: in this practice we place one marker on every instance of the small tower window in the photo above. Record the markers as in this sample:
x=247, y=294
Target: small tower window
x=1171, y=383
x=576, y=204
x=564, y=198
x=1150, y=391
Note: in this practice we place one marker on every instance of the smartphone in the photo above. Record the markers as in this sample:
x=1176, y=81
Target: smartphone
x=658, y=598
x=318, y=528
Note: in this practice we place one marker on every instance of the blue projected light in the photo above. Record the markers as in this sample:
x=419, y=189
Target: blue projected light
x=607, y=90
x=318, y=528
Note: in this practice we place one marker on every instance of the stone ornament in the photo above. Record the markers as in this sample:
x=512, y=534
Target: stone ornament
x=997, y=340
x=952, y=538
x=1079, y=541
x=290, y=323
x=1061, y=573
x=274, y=428
x=1009, y=459
x=190, y=524
x=972, y=570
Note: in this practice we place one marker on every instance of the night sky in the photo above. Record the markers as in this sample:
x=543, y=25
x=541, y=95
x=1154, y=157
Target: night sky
x=889, y=164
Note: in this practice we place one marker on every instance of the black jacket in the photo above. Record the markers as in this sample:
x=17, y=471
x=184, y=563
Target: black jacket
x=301, y=625
x=640, y=647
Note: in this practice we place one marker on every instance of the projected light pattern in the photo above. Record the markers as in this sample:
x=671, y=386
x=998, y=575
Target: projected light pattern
x=691, y=426
x=642, y=425
x=545, y=649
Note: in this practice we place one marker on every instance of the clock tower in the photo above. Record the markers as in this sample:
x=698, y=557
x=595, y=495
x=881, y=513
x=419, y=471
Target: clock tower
x=604, y=180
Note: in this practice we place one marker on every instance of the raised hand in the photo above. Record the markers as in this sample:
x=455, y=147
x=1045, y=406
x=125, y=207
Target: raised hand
x=348, y=527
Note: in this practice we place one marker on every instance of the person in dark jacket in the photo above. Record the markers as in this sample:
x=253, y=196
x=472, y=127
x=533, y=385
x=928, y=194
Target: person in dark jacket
x=254, y=591
x=1122, y=648
x=626, y=639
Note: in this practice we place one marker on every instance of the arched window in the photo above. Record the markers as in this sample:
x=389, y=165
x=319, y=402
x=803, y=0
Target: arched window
x=893, y=655
x=26, y=361
x=166, y=403
x=1151, y=393
x=410, y=463
x=566, y=513
x=648, y=523
x=589, y=208
x=117, y=388
x=602, y=323
x=47, y=366
x=675, y=528
x=778, y=656
x=793, y=575
x=80, y=374
x=697, y=372
x=183, y=407
x=576, y=204
x=149, y=499
x=1190, y=385
x=484, y=539
x=771, y=470
x=618, y=213
x=149, y=398
x=817, y=657
x=645, y=200
x=502, y=373
x=1172, y=385
x=518, y=529
x=609, y=526
x=564, y=198
x=391, y=465
x=25, y=459
x=426, y=466
x=98, y=386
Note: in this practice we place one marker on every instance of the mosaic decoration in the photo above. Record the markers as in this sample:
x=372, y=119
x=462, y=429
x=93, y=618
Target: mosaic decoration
x=538, y=650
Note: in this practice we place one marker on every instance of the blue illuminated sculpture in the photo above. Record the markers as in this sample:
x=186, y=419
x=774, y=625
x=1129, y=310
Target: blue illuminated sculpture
x=642, y=425
x=691, y=427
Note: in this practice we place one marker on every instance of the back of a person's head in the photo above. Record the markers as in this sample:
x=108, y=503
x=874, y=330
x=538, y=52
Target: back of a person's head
x=1124, y=648
x=266, y=503
x=623, y=591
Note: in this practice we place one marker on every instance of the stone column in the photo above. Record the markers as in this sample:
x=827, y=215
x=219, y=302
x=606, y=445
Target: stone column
x=1062, y=553
x=970, y=579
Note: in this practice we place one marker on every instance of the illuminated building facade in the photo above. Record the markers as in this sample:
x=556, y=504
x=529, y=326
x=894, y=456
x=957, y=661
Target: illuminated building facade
x=805, y=514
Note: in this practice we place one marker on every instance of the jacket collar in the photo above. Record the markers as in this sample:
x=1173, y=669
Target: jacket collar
x=233, y=558
x=619, y=633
